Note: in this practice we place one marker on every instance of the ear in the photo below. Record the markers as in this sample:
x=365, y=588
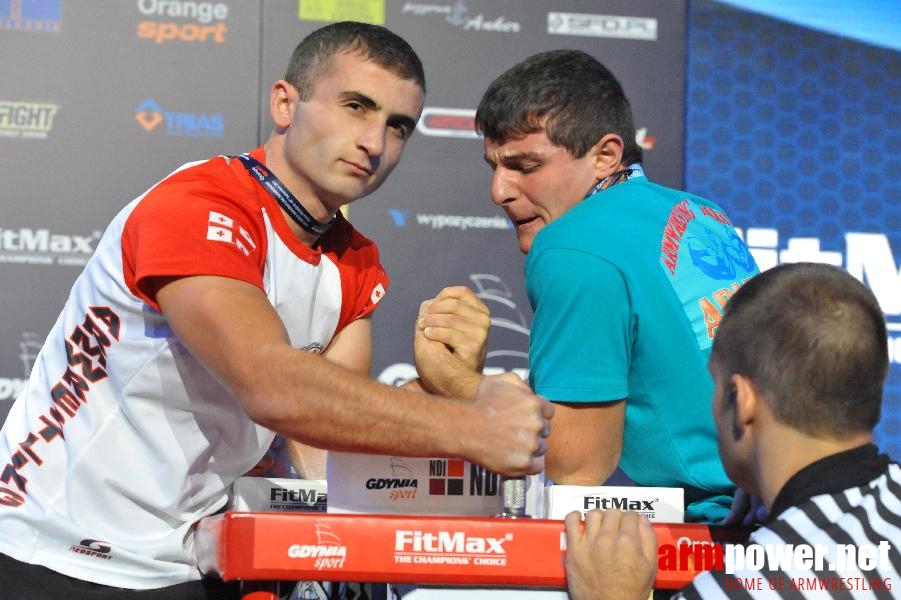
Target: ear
x=607, y=154
x=746, y=400
x=282, y=98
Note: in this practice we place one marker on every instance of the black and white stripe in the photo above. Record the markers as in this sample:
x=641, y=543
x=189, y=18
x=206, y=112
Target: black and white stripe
x=860, y=515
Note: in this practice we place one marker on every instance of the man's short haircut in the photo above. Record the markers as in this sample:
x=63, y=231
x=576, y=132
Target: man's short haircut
x=372, y=42
x=813, y=339
x=569, y=94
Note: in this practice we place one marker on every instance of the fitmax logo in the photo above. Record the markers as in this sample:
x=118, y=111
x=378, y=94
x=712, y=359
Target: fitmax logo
x=278, y=494
x=150, y=115
x=446, y=542
x=620, y=503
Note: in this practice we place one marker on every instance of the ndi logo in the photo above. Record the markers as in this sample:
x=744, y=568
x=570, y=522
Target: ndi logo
x=35, y=15
x=150, y=115
x=446, y=477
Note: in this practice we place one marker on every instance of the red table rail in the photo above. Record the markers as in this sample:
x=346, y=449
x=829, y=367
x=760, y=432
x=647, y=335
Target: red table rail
x=268, y=546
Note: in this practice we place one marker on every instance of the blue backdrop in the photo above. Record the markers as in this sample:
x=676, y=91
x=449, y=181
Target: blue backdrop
x=793, y=124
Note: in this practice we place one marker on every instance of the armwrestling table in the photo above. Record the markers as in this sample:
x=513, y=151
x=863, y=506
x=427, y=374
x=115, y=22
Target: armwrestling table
x=482, y=551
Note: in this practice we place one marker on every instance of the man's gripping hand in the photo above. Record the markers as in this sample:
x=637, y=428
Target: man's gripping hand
x=451, y=342
x=510, y=429
x=611, y=556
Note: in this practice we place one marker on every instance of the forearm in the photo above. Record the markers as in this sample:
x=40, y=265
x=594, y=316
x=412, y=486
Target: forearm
x=306, y=397
x=568, y=472
x=463, y=387
x=585, y=443
x=309, y=399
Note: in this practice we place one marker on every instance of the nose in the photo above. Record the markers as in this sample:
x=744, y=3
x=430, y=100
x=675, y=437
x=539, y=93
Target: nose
x=372, y=139
x=503, y=189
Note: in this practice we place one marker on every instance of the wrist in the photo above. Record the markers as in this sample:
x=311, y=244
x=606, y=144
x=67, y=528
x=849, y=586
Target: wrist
x=463, y=385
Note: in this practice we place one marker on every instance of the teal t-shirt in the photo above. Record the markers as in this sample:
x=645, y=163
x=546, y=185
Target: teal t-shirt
x=627, y=288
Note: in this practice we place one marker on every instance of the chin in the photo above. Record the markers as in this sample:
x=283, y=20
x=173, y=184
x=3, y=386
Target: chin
x=525, y=243
x=740, y=475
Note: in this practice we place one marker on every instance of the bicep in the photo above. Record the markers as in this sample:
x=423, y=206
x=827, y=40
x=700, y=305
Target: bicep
x=229, y=326
x=582, y=329
x=586, y=442
x=352, y=346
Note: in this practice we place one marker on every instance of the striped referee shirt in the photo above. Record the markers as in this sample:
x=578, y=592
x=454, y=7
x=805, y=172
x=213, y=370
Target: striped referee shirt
x=850, y=498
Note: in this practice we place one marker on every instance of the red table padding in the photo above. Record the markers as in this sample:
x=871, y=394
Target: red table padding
x=480, y=551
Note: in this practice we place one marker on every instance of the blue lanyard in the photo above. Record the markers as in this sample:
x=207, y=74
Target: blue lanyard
x=283, y=196
x=615, y=178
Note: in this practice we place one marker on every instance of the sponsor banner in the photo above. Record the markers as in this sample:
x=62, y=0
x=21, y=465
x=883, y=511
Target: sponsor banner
x=448, y=122
x=35, y=15
x=410, y=549
x=868, y=256
x=150, y=116
x=602, y=26
x=364, y=11
x=278, y=494
x=10, y=388
x=403, y=218
x=658, y=504
x=458, y=14
x=366, y=483
x=27, y=120
x=182, y=21
x=27, y=246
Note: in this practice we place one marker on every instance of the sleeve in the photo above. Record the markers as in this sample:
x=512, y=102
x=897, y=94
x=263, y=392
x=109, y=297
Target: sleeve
x=363, y=278
x=187, y=225
x=582, y=334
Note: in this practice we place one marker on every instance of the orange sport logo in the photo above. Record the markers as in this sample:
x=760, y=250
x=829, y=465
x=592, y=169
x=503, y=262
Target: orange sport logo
x=177, y=21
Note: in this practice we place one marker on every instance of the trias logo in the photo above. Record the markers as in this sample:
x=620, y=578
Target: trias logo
x=448, y=542
x=150, y=115
x=329, y=551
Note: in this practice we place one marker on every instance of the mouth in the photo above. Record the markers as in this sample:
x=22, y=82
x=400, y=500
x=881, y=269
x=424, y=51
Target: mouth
x=359, y=168
x=522, y=222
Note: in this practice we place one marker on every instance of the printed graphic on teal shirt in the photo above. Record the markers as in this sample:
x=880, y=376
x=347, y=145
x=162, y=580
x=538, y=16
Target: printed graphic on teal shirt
x=706, y=263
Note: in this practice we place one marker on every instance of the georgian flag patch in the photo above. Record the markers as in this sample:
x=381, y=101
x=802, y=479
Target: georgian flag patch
x=377, y=292
x=222, y=229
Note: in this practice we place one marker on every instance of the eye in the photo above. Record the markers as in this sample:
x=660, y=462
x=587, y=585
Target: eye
x=402, y=131
x=355, y=106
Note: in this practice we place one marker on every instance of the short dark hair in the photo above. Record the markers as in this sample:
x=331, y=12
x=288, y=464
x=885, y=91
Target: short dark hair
x=373, y=42
x=813, y=339
x=569, y=94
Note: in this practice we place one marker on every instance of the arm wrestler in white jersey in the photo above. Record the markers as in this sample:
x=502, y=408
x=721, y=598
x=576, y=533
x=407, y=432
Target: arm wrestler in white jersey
x=228, y=304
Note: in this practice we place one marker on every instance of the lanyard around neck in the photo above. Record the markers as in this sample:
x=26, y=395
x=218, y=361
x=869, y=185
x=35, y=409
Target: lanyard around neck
x=615, y=178
x=283, y=196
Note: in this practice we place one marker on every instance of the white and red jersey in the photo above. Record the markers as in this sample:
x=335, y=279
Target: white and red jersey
x=121, y=440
